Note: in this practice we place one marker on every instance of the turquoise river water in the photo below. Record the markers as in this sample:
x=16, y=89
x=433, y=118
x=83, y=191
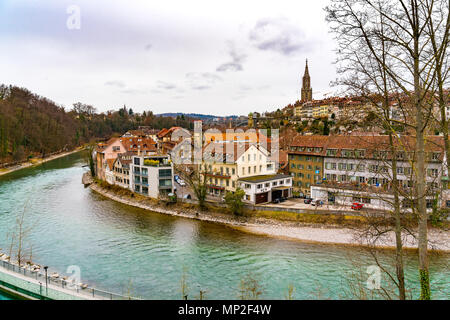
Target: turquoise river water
x=127, y=250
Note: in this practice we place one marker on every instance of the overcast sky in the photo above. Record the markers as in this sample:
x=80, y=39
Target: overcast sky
x=201, y=56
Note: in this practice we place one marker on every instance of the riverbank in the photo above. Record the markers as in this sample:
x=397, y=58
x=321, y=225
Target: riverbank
x=36, y=162
x=439, y=240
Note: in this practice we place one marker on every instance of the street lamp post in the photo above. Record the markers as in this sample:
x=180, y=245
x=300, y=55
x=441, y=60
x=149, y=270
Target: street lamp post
x=46, y=279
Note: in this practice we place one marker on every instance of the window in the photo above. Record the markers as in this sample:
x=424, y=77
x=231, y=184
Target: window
x=365, y=200
x=116, y=148
x=247, y=197
x=254, y=169
x=137, y=161
x=165, y=173
x=331, y=152
x=433, y=172
x=400, y=155
x=267, y=185
x=249, y=170
x=259, y=186
x=137, y=188
x=360, y=153
x=233, y=171
x=165, y=183
x=247, y=186
x=274, y=183
x=347, y=153
x=435, y=156
x=233, y=184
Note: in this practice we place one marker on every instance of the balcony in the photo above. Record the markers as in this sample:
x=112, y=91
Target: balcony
x=218, y=175
x=215, y=187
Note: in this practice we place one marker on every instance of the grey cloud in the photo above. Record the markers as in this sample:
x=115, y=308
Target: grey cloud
x=202, y=80
x=237, y=60
x=277, y=35
x=165, y=85
x=115, y=83
x=230, y=66
x=148, y=47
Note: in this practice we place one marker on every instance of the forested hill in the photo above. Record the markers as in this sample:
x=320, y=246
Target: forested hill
x=31, y=125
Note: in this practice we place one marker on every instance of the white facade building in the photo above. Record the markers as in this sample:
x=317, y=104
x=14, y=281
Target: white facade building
x=152, y=175
x=261, y=189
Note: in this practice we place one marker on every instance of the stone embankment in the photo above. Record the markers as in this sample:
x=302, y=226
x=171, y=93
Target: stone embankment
x=439, y=240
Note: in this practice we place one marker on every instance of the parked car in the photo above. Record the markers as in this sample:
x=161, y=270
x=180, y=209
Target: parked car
x=357, y=206
x=277, y=200
x=308, y=200
x=180, y=181
x=176, y=177
x=317, y=203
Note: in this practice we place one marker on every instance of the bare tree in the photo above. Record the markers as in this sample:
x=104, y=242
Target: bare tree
x=409, y=65
x=195, y=177
x=18, y=239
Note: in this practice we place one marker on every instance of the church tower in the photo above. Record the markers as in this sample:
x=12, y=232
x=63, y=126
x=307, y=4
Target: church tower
x=306, y=87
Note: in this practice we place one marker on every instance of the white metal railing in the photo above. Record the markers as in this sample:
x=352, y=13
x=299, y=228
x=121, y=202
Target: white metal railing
x=59, y=282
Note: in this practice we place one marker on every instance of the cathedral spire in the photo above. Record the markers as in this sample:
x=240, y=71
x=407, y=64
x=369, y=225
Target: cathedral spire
x=306, y=85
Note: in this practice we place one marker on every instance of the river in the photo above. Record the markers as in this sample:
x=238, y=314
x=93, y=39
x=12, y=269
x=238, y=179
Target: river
x=129, y=250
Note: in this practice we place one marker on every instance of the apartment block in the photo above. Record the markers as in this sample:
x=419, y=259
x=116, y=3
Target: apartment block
x=152, y=175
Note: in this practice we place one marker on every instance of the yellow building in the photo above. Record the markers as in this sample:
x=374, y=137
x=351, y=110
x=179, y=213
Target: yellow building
x=305, y=156
x=225, y=163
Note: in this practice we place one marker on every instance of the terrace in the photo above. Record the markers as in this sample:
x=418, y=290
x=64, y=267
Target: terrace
x=157, y=162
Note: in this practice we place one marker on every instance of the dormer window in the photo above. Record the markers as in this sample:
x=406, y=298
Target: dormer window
x=347, y=153
x=435, y=156
x=331, y=152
